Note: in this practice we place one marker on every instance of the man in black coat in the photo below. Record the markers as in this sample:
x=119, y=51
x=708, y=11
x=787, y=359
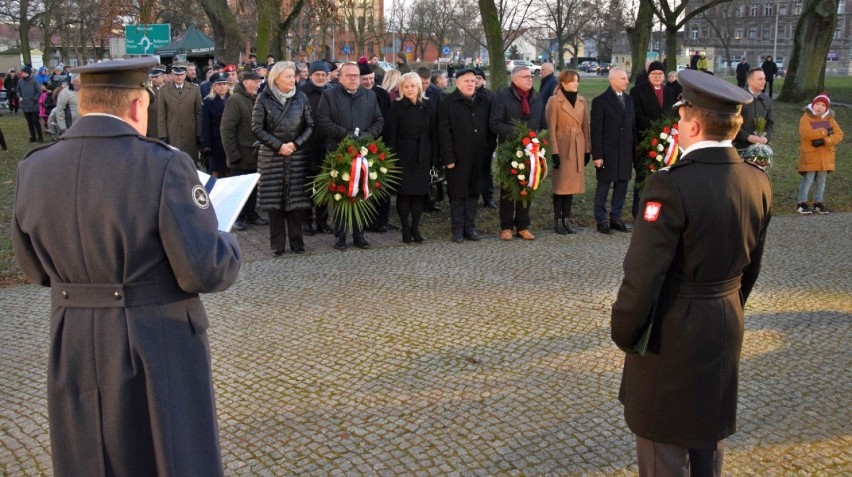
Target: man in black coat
x=348, y=110
x=482, y=89
x=465, y=144
x=761, y=107
x=693, y=260
x=770, y=69
x=613, y=130
x=516, y=102
x=368, y=81
x=120, y=229
x=313, y=89
x=742, y=71
x=652, y=101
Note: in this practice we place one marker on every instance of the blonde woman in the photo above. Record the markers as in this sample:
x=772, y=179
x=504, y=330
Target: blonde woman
x=410, y=133
x=282, y=122
x=212, y=109
x=391, y=83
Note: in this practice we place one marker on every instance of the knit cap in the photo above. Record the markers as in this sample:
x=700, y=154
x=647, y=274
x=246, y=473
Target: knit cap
x=822, y=98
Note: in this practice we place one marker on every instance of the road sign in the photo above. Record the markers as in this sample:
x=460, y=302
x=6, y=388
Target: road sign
x=346, y=50
x=144, y=39
x=408, y=49
x=446, y=50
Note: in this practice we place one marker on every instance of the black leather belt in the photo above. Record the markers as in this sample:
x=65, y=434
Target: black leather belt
x=708, y=290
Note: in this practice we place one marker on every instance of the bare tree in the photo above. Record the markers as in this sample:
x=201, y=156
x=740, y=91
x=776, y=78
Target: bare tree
x=814, y=32
x=607, y=23
x=566, y=20
x=674, y=17
x=23, y=14
x=510, y=17
x=721, y=19
x=226, y=32
x=360, y=21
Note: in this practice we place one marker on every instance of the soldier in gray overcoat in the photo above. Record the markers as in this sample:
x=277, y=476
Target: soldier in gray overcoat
x=121, y=230
x=693, y=260
x=179, y=113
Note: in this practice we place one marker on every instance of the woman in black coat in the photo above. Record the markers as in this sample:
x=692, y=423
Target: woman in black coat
x=212, y=109
x=282, y=122
x=410, y=133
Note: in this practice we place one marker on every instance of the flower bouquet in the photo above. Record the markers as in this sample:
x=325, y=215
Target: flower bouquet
x=521, y=163
x=353, y=178
x=659, y=147
x=759, y=154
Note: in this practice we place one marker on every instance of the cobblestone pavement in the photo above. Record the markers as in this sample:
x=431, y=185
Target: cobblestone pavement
x=474, y=359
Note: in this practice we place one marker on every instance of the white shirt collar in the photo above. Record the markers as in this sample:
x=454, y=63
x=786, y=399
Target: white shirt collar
x=707, y=144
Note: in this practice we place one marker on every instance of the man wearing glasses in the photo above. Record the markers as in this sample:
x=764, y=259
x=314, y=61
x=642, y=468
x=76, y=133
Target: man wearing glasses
x=516, y=102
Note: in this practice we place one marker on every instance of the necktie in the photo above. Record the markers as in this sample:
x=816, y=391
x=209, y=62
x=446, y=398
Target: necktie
x=659, y=93
x=621, y=100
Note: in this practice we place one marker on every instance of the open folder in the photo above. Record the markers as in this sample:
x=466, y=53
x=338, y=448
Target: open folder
x=228, y=196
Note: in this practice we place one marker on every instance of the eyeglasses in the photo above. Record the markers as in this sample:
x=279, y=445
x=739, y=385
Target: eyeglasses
x=351, y=76
x=525, y=77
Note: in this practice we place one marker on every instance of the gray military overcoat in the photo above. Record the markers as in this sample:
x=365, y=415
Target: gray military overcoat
x=121, y=230
x=179, y=117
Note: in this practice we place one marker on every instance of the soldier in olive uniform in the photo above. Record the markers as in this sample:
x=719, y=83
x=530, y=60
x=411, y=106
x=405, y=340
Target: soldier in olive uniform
x=692, y=262
x=121, y=230
x=157, y=79
x=179, y=113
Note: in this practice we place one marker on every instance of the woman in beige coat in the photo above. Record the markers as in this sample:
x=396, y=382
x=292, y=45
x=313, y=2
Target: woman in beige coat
x=568, y=123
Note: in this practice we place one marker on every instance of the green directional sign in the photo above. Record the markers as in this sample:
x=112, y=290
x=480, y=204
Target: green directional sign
x=144, y=39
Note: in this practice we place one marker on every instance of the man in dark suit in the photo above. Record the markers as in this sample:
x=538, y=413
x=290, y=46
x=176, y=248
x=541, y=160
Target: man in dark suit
x=693, y=259
x=652, y=101
x=761, y=107
x=742, y=70
x=613, y=130
x=156, y=77
x=121, y=230
x=368, y=81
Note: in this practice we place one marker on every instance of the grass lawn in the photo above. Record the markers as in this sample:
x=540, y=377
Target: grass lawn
x=783, y=173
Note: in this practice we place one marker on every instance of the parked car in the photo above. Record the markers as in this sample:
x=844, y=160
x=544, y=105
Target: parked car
x=588, y=66
x=603, y=69
x=386, y=65
x=534, y=68
x=681, y=67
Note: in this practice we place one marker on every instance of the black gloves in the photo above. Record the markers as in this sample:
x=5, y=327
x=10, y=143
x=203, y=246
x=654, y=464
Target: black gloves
x=555, y=158
x=587, y=159
x=818, y=142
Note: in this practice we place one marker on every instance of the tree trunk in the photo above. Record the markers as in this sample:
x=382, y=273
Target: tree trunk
x=226, y=32
x=640, y=35
x=264, y=27
x=806, y=74
x=24, y=32
x=671, y=49
x=494, y=39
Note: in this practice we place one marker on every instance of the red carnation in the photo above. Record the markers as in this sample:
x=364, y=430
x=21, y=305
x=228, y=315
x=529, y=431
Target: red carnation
x=667, y=130
x=372, y=148
x=378, y=185
x=544, y=141
x=332, y=187
x=341, y=188
x=525, y=141
x=674, y=125
x=523, y=183
x=524, y=193
x=351, y=149
x=514, y=171
x=532, y=133
x=654, y=142
x=382, y=156
x=651, y=167
x=652, y=154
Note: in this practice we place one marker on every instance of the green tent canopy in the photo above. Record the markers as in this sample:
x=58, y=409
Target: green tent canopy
x=192, y=43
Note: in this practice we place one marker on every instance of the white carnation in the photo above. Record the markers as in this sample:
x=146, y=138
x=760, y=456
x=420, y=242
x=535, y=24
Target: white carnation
x=663, y=136
x=383, y=170
x=521, y=177
x=660, y=147
x=521, y=166
x=364, y=151
x=519, y=154
x=345, y=176
x=334, y=173
x=515, y=164
x=374, y=175
x=337, y=196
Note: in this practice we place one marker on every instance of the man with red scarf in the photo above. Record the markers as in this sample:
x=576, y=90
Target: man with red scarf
x=517, y=102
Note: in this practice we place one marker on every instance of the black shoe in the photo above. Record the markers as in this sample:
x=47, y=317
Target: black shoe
x=362, y=244
x=380, y=229
x=324, y=228
x=406, y=235
x=560, y=228
x=618, y=224
x=433, y=208
x=239, y=225
x=258, y=220
x=340, y=245
x=473, y=236
x=415, y=235
x=458, y=239
x=568, y=228
x=307, y=230
x=299, y=250
x=604, y=229
x=278, y=252
x=490, y=204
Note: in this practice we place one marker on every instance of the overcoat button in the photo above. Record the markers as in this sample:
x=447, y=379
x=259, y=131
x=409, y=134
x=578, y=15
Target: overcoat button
x=117, y=295
x=64, y=294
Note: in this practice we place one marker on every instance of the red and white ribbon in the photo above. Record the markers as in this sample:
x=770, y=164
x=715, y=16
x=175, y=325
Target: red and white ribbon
x=359, y=177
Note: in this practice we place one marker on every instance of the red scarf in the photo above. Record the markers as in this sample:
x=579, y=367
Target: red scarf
x=525, y=104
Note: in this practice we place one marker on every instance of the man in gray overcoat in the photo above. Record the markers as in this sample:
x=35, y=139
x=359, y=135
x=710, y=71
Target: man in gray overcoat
x=179, y=113
x=693, y=260
x=120, y=229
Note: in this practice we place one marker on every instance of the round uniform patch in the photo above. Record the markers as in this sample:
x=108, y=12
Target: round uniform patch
x=199, y=196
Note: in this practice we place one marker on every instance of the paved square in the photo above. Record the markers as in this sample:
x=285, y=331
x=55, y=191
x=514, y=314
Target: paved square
x=487, y=358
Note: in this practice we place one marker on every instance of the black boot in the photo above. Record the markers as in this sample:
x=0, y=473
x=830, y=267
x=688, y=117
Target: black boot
x=566, y=214
x=566, y=224
x=405, y=228
x=559, y=226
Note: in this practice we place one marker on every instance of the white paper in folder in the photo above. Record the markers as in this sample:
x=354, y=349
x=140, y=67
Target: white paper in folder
x=228, y=195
